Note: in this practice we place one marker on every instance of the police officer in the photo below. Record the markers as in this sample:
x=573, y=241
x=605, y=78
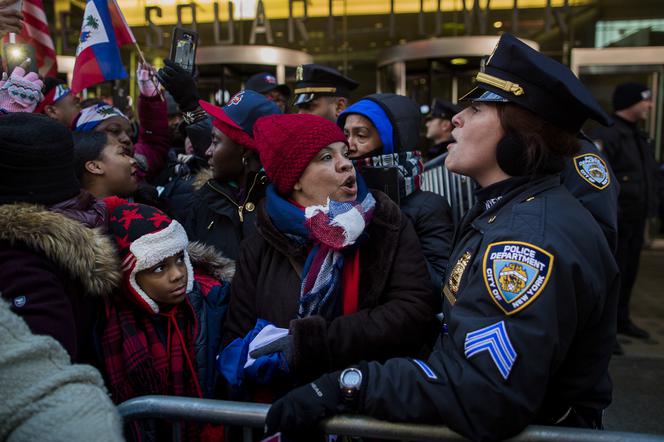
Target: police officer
x=322, y=91
x=630, y=154
x=530, y=302
x=439, y=126
x=266, y=84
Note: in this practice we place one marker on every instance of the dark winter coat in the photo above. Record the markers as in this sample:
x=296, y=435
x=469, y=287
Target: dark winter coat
x=55, y=271
x=431, y=216
x=530, y=322
x=395, y=303
x=214, y=217
x=631, y=157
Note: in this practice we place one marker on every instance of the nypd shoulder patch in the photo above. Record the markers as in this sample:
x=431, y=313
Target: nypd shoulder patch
x=515, y=273
x=495, y=341
x=593, y=169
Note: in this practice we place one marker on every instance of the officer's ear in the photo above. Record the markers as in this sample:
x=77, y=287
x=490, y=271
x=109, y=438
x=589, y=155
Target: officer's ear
x=511, y=155
x=340, y=105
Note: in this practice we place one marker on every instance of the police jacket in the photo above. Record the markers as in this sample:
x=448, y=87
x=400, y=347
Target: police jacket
x=530, y=321
x=590, y=180
x=630, y=154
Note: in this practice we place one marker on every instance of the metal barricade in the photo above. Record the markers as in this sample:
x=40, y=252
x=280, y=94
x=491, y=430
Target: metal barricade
x=457, y=189
x=253, y=415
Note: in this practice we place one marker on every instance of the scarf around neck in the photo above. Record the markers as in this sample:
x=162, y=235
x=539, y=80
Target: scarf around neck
x=331, y=229
x=410, y=167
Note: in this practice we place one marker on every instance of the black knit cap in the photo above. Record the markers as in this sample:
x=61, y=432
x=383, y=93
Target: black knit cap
x=628, y=94
x=36, y=160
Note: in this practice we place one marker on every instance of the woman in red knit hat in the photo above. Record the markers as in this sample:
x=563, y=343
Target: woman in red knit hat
x=335, y=273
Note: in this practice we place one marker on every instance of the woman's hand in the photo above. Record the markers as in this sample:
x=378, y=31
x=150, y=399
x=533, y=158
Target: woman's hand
x=11, y=18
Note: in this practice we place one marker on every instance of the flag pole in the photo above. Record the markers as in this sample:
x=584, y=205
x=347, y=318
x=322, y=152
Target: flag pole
x=145, y=63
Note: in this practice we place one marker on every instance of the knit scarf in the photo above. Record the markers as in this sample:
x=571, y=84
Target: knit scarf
x=410, y=167
x=331, y=229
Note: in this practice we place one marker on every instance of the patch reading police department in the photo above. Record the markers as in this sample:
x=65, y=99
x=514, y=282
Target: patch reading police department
x=592, y=168
x=515, y=273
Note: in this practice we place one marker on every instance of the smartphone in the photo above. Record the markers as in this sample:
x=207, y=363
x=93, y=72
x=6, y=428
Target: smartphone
x=385, y=179
x=17, y=6
x=183, y=48
x=17, y=53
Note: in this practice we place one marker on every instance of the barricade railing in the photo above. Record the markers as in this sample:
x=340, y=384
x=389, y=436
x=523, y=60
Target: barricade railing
x=252, y=415
x=457, y=189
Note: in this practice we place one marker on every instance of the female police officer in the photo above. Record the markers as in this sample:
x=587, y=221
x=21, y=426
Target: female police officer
x=530, y=301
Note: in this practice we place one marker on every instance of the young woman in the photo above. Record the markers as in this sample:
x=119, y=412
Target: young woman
x=530, y=301
x=337, y=268
x=104, y=167
x=222, y=212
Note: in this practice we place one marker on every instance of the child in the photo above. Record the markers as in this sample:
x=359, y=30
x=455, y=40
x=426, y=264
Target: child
x=163, y=326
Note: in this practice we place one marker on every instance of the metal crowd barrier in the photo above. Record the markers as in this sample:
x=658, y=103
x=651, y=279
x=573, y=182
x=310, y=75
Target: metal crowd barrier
x=458, y=189
x=253, y=415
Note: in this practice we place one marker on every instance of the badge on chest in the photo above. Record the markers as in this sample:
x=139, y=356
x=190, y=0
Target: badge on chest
x=515, y=273
x=451, y=289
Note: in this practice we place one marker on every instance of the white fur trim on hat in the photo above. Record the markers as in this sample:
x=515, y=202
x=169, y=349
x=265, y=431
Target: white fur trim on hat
x=153, y=248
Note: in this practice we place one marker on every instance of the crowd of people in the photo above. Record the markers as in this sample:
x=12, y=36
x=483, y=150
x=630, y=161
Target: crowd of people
x=259, y=253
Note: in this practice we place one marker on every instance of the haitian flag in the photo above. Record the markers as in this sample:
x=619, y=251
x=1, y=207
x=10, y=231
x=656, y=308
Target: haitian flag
x=123, y=34
x=98, y=53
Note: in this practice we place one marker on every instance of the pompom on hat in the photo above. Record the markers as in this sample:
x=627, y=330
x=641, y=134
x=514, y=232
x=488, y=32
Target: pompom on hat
x=287, y=144
x=145, y=236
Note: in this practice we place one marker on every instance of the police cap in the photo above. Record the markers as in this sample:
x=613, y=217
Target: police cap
x=315, y=80
x=442, y=109
x=265, y=82
x=517, y=73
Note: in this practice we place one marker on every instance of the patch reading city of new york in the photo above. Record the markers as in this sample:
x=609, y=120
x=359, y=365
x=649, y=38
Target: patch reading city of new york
x=593, y=169
x=515, y=273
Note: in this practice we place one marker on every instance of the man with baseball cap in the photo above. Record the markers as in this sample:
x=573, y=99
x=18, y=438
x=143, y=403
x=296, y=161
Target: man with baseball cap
x=630, y=154
x=266, y=84
x=439, y=126
x=322, y=91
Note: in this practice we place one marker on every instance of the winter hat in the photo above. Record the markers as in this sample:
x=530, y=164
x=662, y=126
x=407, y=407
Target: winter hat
x=628, y=94
x=145, y=236
x=287, y=144
x=92, y=116
x=236, y=119
x=36, y=160
x=21, y=92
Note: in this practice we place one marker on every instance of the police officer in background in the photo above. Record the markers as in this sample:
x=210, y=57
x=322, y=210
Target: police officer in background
x=530, y=303
x=322, y=91
x=439, y=126
x=266, y=84
x=630, y=154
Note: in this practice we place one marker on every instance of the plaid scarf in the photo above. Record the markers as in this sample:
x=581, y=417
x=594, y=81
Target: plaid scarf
x=137, y=358
x=331, y=228
x=410, y=167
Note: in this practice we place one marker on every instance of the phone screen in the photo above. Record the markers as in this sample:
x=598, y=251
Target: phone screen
x=183, y=49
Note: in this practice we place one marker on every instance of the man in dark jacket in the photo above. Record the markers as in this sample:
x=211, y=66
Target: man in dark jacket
x=630, y=154
x=53, y=268
x=439, y=126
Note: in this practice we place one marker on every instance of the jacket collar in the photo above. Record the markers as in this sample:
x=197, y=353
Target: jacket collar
x=86, y=254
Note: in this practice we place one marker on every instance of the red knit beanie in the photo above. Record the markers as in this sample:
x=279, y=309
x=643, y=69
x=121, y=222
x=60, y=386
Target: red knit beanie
x=287, y=144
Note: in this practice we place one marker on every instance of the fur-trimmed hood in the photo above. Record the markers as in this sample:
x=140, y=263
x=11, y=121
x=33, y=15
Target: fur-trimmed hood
x=86, y=254
x=211, y=261
x=202, y=176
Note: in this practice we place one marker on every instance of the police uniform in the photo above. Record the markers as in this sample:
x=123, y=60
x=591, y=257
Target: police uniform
x=445, y=110
x=529, y=310
x=590, y=179
x=315, y=80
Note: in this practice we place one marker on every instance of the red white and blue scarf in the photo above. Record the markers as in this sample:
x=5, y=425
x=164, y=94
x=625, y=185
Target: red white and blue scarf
x=331, y=229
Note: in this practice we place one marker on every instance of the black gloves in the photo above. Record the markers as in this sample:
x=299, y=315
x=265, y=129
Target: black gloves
x=301, y=409
x=180, y=85
x=283, y=345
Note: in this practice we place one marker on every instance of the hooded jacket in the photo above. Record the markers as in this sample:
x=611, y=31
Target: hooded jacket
x=430, y=213
x=55, y=272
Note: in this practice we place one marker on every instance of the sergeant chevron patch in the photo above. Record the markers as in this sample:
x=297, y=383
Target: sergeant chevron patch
x=592, y=168
x=515, y=273
x=494, y=340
